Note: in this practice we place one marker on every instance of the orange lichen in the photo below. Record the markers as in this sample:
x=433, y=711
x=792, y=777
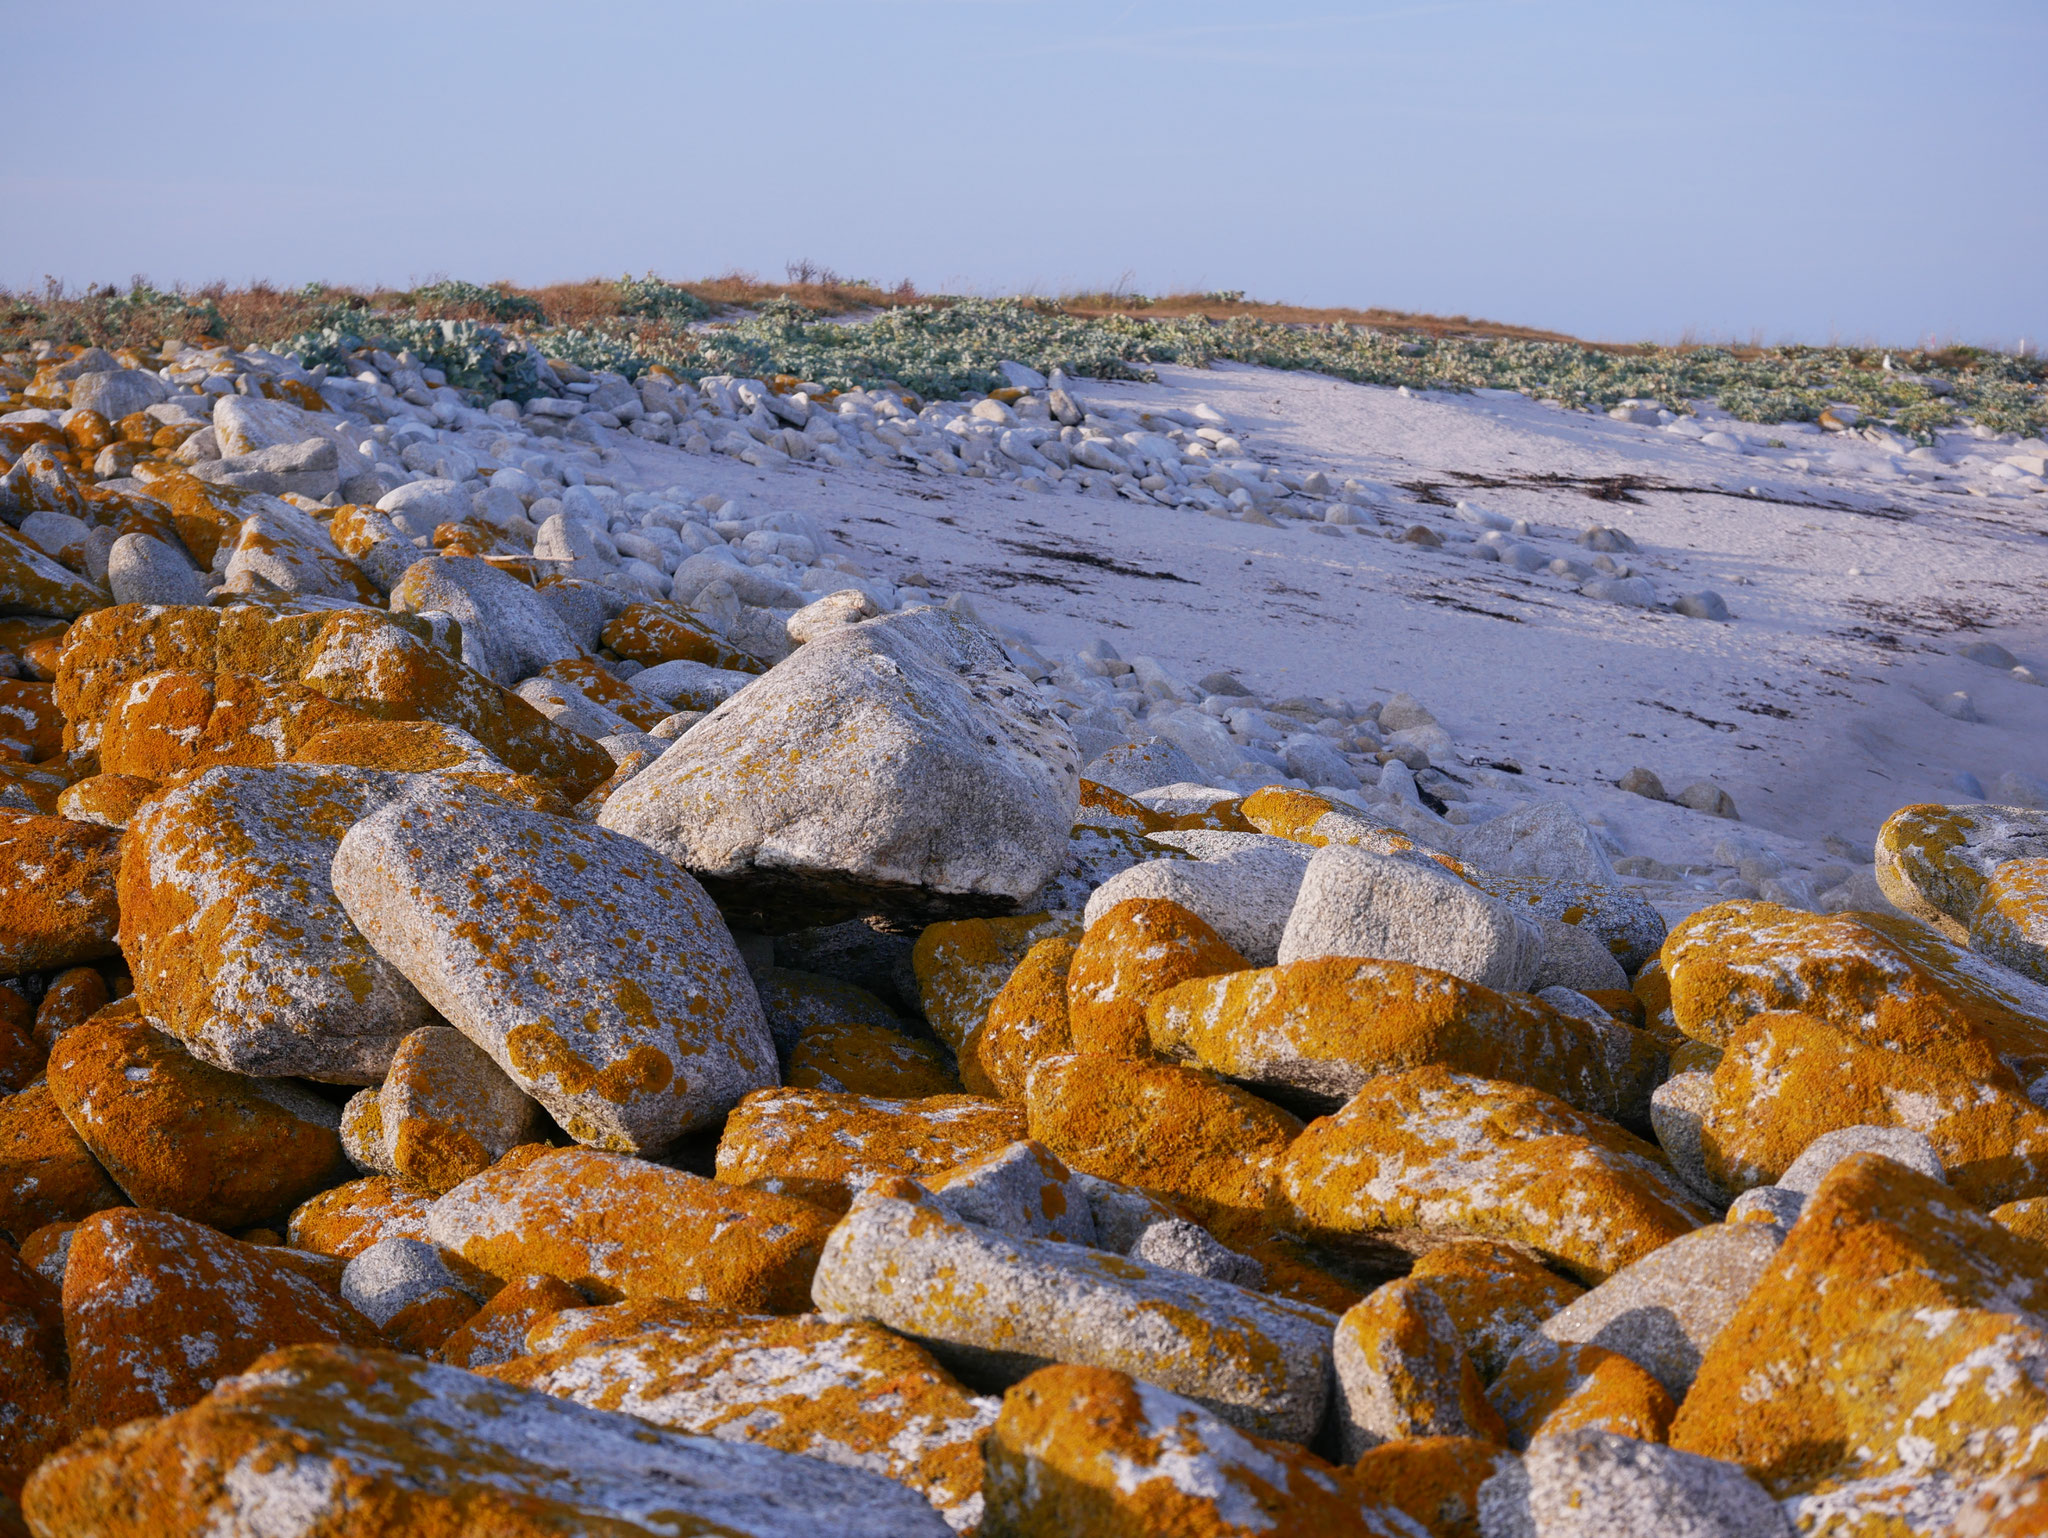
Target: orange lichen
x=961, y=966
x=1136, y=951
x=47, y=1174
x=1578, y=1387
x=1495, y=1295
x=1026, y=1023
x=825, y=1148
x=861, y=1058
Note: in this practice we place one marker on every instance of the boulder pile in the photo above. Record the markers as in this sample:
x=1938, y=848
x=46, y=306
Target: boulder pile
x=518, y=1019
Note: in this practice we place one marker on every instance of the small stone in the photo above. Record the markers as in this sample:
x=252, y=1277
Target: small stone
x=141, y=569
x=825, y=1148
x=900, y=765
x=1134, y=952
x=1174, y=1132
x=996, y=1308
x=1088, y=1452
x=1420, y=1154
x=1179, y=1245
x=158, y=1309
x=347, y=1219
x=446, y=1111
x=1402, y=1372
x=1643, y=782
x=615, y=1227
x=1357, y=903
x=1596, y=1484
x=597, y=976
x=1548, y=1390
x=381, y=1445
x=407, y=1290
x=834, y=611
x=1706, y=796
x=185, y=1137
x=1705, y=604
x=497, y=1332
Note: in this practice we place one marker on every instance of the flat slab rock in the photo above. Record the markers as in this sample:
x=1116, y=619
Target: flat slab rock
x=328, y=1439
x=598, y=976
x=899, y=766
x=997, y=1306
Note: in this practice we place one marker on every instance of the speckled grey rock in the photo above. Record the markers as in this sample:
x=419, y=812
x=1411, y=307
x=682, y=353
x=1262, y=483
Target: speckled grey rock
x=1569, y=1001
x=141, y=569
x=1243, y=884
x=1179, y=1245
x=1549, y=840
x=597, y=975
x=1024, y=1190
x=1595, y=1484
x=996, y=1308
x=1664, y=1311
x=1354, y=902
x=686, y=685
x=279, y=548
x=1901, y=1145
x=508, y=631
x=568, y=706
x=1677, y=1109
x=835, y=611
x=116, y=393
x=1134, y=766
x=395, y=1273
x=1574, y=956
x=1776, y=1204
x=898, y=766
x=446, y=1111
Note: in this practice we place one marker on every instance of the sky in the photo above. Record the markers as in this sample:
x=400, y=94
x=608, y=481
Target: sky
x=1771, y=170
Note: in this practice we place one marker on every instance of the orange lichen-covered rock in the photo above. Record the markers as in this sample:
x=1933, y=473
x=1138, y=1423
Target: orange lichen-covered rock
x=383, y=666
x=1495, y=1295
x=1787, y=1078
x=593, y=1324
x=1087, y=1452
x=1577, y=1387
x=47, y=1174
x=1026, y=1023
x=57, y=892
x=1225, y=816
x=1898, y=985
x=1132, y=954
x=590, y=678
x=335, y=1440
x=2027, y=1218
x=34, y=1416
x=1421, y=1155
x=21, y=1056
x=239, y=945
x=847, y=1392
x=205, y=516
x=345, y=1221
x=32, y=583
x=961, y=965
x=1433, y=1481
x=31, y=787
x=185, y=1137
x=446, y=1111
x=1934, y=862
x=31, y=726
x=824, y=1148
x=1318, y=1030
x=430, y=747
x=2015, y=1507
x=615, y=1227
x=2010, y=924
x=654, y=633
x=108, y=800
x=74, y=996
x=855, y=1057
x=795, y=1001
x=176, y=721
x=1894, y=1332
x=1176, y=1132
x=596, y=974
x=157, y=1309
x=497, y=1331
x=1402, y=1372
x=1102, y=807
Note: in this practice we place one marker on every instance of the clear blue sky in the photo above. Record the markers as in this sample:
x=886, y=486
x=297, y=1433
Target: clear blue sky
x=1789, y=169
